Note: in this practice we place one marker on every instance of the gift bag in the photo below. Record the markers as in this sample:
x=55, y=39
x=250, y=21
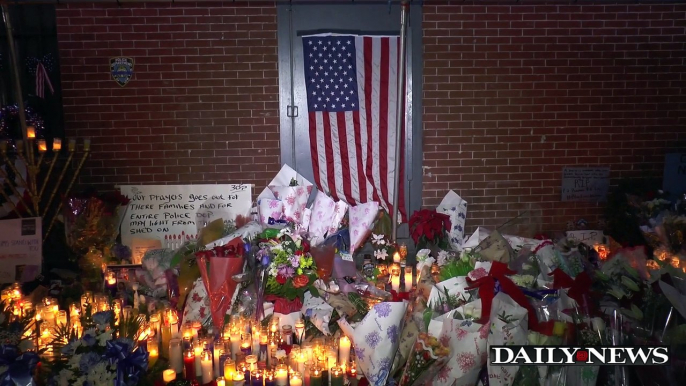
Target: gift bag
x=509, y=323
x=376, y=340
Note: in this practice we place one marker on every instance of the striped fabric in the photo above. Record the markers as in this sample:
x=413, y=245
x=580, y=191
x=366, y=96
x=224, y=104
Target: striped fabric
x=41, y=79
x=352, y=88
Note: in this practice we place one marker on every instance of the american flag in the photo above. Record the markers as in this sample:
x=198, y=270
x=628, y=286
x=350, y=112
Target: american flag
x=352, y=93
x=41, y=78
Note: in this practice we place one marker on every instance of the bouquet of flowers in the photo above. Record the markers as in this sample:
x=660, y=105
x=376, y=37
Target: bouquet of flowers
x=93, y=221
x=383, y=248
x=429, y=227
x=291, y=268
x=426, y=359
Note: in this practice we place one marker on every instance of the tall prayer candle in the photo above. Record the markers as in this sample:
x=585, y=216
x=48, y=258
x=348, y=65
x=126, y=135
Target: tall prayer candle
x=229, y=369
x=197, y=350
x=395, y=283
x=221, y=381
x=336, y=376
x=300, y=331
x=218, y=351
x=153, y=351
x=396, y=257
x=251, y=361
x=300, y=360
x=176, y=355
x=255, y=341
x=344, y=349
x=296, y=380
x=189, y=365
x=281, y=375
x=269, y=379
x=235, y=343
x=408, y=279
x=238, y=379
x=207, y=367
x=166, y=338
x=256, y=378
x=316, y=377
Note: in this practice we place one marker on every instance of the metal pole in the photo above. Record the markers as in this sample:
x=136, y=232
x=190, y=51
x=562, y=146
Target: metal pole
x=400, y=115
x=15, y=71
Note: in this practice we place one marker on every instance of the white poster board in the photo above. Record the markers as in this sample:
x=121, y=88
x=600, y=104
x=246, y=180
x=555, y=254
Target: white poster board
x=585, y=184
x=20, y=249
x=156, y=211
x=588, y=237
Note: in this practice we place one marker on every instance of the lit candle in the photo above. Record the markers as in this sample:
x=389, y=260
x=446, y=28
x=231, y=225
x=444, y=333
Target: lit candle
x=332, y=357
x=168, y=375
x=221, y=381
x=176, y=355
x=56, y=144
x=256, y=378
x=246, y=347
x=269, y=379
x=243, y=369
x=255, y=341
x=281, y=375
x=300, y=331
x=251, y=361
x=396, y=257
x=30, y=132
x=218, y=351
x=197, y=350
x=336, y=376
x=300, y=360
x=189, y=365
x=86, y=144
x=238, y=379
x=270, y=354
x=235, y=343
x=352, y=375
x=395, y=283
x=296, y=380
x=316, y=377
x=153, y=351
x=408, y=279
x=42, y=146
x=206, y=367
x=229, y=369
x=344, y=349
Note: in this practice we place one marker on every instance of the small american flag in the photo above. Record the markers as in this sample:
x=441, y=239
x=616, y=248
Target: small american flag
x=41, y=78
x=352, y=88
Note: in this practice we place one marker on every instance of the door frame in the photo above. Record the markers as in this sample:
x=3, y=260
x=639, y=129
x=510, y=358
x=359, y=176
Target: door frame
x=414, y=142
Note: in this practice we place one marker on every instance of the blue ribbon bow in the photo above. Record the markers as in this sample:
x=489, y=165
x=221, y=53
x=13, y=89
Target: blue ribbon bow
x=273, y=221
x=131, y=364
x=19, y=367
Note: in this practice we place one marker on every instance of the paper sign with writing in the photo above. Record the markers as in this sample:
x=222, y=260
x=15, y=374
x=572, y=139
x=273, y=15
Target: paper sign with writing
x=20, y=249
x=674, y=180
x=585, y=184
x=140, y=246
x=159, y=211
x=587, y=237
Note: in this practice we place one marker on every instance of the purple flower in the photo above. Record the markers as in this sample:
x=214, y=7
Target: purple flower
x=286, y=271
x=359, y=353
x=383, y=309
x=263, y=256
x=295, y=261
x=88, y=360
x=392, y=333
x=373, y=339
x=88, y=340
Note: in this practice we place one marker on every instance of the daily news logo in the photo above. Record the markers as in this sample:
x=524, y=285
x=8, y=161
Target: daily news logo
x=548, y=355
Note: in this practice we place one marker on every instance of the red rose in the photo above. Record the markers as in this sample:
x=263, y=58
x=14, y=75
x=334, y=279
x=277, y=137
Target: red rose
x=298, y=253
x=301, y=281
x=305, y=246
x=281, y=279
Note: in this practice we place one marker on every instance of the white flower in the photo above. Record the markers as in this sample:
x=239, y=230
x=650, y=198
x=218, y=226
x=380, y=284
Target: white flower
x=63, y=377
x=426, y=262
x=276, y=248
x=523, y=280
x=104, y=337
x=74, y=361
x=280, y=354
x=285, y=232
x=443, y=257
x=378, y=239
x=423, y=254
x=380, y=254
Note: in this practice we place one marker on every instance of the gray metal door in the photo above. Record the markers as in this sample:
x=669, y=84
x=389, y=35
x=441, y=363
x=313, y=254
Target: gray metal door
x=297, y=20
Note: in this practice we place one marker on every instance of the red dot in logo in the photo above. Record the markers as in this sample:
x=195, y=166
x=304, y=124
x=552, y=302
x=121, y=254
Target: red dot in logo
x=582, y=356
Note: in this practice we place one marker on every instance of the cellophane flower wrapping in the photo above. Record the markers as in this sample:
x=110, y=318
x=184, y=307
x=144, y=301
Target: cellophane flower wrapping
x=467, y=341
x=326, y=217
x=376, y=340
x=294, y=201
x=509, y=326
x=93, y=221
x=428, y=356
x=362, y=219
x=197, y=306
x=456, y=208
x=269, y=208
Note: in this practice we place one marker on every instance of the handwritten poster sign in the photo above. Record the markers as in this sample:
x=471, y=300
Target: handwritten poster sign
x=585, y=184
x=674, y=180
x=587, y=237
x=156, y=211
x=20, y=249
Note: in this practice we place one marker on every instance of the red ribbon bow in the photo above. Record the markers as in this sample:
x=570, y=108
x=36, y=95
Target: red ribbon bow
x=399, y=296
x=486, y=286
x=283, y=305
x=579, y=287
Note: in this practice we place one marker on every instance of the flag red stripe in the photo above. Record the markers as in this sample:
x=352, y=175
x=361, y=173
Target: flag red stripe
x=383, y=121
x=362, y=181
x=368, y=70
x=345, y=157
x=330, y=173
x=313, y=149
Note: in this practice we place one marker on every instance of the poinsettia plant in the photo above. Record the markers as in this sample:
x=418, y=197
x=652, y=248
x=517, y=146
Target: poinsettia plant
x=429, y=227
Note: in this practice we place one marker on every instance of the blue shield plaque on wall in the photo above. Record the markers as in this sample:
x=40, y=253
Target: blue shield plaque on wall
x=121, y=70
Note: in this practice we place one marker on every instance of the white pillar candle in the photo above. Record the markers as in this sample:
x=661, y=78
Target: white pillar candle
x=238, y=379
x=281, y=375
x=217, y=348
x=300, y=360
x=197, y=350
x=396, y=257
x=395, y=283
x=176, y=355
x=344, y=350
x=168, y=375
x=332, y=357
x=408, y=279
x=235, y=343
x=296, y=380
x=207, y=367
x=255, y=340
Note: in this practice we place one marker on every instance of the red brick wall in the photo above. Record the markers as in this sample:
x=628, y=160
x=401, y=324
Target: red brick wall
x=512, y=93
x=202, y=105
